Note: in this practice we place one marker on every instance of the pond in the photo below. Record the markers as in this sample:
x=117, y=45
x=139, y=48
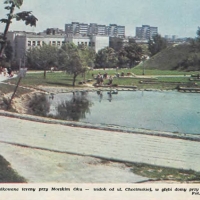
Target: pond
x=153, y=110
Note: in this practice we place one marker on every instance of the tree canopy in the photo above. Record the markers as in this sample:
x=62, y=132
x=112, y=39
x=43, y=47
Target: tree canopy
x=106, y=58
x=133, y=52
x=75, y=59
x=42, y=57
x=25, y=16
x=157, y=44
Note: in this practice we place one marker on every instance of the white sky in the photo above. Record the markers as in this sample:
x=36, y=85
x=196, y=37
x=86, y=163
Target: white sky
x=172, y=17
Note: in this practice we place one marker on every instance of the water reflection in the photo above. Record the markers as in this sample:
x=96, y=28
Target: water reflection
x=39, y=105
x=74, y=109
x=161, y=111
x=100, y=94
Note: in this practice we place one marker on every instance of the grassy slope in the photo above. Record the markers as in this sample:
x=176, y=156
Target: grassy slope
x=169, y=58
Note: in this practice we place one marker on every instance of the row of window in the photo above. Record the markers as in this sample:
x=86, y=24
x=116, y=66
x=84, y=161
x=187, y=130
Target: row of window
x=58, y=43
x=39, y=43
x=87, y=43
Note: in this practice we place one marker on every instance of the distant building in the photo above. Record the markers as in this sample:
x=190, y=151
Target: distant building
x=22, y=41
x=76, y=28
x=171, y=38
x=146, y=32
x=116, y=31
x=96, y=42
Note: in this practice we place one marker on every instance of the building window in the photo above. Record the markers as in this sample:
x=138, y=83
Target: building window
x=82, y=43
x=85, y=43
x=29, y=43
x=58, y=43
x=33, y=43
x=38, y=43
x=54, y=43
x=90, y=44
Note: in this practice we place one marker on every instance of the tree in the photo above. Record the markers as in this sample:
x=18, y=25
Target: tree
x=42, y=57
x=106, y=58
x=123, y=60
x=130, y=54
x=75, y=59
x=157, y=44
x=116, y=43
x=24, y=16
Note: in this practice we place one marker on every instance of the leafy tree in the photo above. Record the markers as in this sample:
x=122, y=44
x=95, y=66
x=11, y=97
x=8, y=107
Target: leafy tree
x=75, y=59
x=42, y=57
x=123, y=60
x=157, y=44
x=130, y=54
x=106, y=58
x=25, y=16
x=116, y=43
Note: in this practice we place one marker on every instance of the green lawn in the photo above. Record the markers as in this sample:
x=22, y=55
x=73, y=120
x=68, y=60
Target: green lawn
x=65, y=80
x=164, y=173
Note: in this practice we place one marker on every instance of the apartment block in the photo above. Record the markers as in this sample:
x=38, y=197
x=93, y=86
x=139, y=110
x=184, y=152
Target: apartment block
x=146, y=32
x=76, y=28
x=116, y=31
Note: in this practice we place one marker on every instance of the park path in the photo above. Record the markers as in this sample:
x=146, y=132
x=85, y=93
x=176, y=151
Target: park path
x=123, y=147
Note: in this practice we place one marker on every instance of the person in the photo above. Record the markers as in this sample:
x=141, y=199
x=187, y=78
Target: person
x=110, y=80
x=101, y=80
x=5, y=71
x=9, y=71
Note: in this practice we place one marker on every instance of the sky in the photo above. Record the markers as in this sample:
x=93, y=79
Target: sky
x=172, y=17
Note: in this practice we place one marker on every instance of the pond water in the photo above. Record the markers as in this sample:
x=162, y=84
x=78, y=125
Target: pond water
x=163, y=111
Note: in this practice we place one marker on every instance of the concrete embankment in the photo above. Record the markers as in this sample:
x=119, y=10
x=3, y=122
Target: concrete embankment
x=107, y=144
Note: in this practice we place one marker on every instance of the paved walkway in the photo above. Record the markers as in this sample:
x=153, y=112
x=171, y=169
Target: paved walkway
x=3, y=78
x=169, y=152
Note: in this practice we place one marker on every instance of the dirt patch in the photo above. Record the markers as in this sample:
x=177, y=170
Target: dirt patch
x=21, y=104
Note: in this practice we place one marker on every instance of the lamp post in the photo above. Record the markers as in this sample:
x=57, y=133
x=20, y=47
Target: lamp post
x=143, y=59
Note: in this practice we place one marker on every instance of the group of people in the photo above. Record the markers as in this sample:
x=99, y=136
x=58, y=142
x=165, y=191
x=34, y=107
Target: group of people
x=100, y=79
x=6, y=71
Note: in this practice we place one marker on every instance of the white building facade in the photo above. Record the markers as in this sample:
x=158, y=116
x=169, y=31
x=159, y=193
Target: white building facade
x=22, y=41
x=96, y=42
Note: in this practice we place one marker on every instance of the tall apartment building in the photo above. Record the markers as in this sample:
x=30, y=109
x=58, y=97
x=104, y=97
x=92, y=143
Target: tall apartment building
x=97, y=29
x=116, y=31
x=146, y=32
x=76, y=28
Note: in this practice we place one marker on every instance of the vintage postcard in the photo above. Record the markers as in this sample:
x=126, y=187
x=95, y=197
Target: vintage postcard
x=99, y=99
